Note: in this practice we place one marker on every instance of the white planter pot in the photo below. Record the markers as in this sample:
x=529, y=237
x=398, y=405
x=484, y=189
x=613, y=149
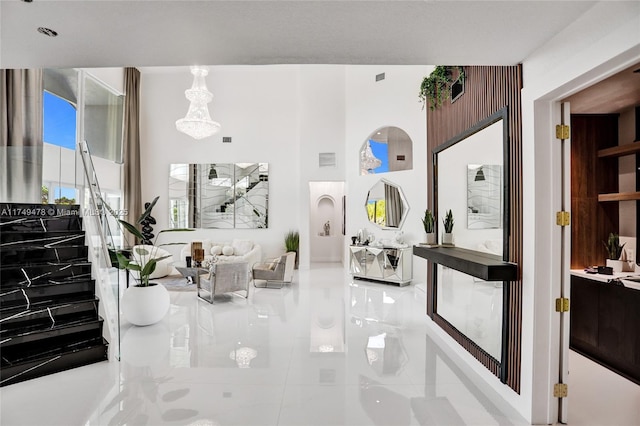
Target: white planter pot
x=431, y=238
x=145, y=305
x=620, y=265
x=447, y=238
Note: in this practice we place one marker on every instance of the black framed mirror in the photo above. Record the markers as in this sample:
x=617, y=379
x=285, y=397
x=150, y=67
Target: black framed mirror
x=471, y=179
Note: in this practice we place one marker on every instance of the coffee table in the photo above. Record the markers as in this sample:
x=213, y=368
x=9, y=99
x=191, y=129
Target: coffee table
x=191, y=273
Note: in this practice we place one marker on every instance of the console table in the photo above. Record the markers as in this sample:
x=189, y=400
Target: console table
x=386, y=264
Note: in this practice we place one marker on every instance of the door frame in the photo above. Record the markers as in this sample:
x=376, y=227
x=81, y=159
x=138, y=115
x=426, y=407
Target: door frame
x=552, y=367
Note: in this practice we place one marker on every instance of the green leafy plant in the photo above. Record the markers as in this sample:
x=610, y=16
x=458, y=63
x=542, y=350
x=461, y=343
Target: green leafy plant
x=147, y=257
x=448, y=222
x=437, y=86
x=292, y=241
x=614, y=249
x=428, y=221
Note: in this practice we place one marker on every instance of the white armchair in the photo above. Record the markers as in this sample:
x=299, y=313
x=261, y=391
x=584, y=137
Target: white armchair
x=141, y=255
x=279, y=271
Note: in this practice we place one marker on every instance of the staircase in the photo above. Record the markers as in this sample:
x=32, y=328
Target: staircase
x=49, y=318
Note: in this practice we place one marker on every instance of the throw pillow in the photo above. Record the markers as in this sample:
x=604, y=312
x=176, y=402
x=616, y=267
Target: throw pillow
x=242, y=247
x=216, y=250
x=227, y=251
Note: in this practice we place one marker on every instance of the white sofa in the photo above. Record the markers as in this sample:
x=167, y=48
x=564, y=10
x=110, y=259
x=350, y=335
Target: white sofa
x=227, y=251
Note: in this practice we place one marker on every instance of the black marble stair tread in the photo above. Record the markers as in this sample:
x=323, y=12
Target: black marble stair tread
x=31, y=210
x=40, y=332
x=45, y=224
x=43, y=311
x=46, y=294
x=50, y=273
x=34, y=255
x=11, y=239
x=64, y=358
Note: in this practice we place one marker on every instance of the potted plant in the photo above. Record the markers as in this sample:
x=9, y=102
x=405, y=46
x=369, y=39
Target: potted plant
x=437, y=86
x=447, y=237
x=144, y=303
x=614, y=251
x=292, y=243
x=428, y=221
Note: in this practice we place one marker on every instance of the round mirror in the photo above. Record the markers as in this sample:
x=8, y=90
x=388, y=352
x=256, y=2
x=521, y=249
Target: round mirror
x=386, y=205
x=388, y=149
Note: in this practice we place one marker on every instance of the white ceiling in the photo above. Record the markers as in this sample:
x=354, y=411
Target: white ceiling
x=99, y=33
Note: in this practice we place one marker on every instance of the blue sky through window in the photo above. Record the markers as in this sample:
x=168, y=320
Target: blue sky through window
x=59, y=122
x=381, y=152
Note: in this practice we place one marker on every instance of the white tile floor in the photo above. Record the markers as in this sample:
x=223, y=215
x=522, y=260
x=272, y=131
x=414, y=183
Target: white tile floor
x=323, y=351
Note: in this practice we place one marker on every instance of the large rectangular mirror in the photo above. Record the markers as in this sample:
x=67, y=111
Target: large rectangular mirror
x=219, y=195
x=469, y=179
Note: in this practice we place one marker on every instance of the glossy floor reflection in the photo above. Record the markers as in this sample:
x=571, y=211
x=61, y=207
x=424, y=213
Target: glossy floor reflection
x=325, y=350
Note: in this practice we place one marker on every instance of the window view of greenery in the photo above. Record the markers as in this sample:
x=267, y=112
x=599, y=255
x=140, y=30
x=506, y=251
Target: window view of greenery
x=376, y=210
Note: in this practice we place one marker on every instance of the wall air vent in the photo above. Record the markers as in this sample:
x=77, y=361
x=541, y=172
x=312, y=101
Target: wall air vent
x=226, y=139
x=47, y=31
x=327, y=159
x=380, y=77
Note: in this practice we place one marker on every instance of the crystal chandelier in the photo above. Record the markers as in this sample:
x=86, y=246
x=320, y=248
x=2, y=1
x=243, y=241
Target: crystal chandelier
x=368, y=161
x=198, y=123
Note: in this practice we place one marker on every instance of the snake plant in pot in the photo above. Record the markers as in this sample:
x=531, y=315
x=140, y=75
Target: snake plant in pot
x=144, y=303
x=447, y=237
x=615, y=253
x=428, y=221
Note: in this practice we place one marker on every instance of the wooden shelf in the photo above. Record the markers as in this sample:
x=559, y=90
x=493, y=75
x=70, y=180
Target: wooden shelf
x=481, y=265
x=620, y=150
x=619, y=196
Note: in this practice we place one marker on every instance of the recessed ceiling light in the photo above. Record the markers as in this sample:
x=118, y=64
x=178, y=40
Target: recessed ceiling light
x=47, y=31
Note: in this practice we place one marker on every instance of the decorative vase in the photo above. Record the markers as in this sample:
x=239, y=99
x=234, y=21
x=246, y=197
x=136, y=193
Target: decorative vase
x=447, y=238
x=145, y=305
x=431, y=238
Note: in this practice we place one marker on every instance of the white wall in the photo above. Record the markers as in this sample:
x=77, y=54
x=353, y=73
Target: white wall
x=285, y=115
x=256, y=106
x=371, y=105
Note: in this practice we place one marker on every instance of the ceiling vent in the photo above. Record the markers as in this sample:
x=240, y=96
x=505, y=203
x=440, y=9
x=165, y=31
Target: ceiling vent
x=380, y=77
x=226, y=139
x=327, y=159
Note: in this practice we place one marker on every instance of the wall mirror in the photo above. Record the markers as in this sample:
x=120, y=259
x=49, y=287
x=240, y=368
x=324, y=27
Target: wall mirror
x=388, y=149
x=469, y=179
x=219, y=195
x=386, y=205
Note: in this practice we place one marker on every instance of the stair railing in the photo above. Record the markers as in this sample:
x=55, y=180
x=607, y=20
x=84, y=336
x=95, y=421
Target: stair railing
x=99, y=240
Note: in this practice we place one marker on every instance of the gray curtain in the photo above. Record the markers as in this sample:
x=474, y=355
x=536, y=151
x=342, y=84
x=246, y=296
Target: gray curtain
x=393, y=205
x=21, y=133
x=192, y=196
x=132, y=186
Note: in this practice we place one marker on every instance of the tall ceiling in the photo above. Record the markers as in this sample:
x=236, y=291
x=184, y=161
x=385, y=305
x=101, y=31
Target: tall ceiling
x=147, y=33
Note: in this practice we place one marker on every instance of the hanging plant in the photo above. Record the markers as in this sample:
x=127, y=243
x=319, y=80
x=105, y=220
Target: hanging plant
x=437, y=86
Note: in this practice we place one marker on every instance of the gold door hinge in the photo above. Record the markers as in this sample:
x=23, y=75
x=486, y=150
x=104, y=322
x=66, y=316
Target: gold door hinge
x=560, y=390
x=562, y=131
x=562, y=304
x=563, y=218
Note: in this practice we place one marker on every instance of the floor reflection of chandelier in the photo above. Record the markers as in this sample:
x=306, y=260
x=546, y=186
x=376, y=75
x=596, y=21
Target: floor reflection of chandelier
x=368, y=161
x=243, y=356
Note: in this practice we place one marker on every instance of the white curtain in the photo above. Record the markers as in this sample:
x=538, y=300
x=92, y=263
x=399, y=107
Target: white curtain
x=21, y=135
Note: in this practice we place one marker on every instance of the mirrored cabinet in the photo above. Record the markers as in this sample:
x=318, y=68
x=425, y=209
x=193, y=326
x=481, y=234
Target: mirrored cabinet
x=390, y=265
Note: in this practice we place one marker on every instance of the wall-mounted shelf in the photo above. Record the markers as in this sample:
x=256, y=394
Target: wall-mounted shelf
x=620, y=150
x=488, y=267
x=619, y=196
